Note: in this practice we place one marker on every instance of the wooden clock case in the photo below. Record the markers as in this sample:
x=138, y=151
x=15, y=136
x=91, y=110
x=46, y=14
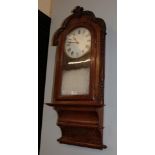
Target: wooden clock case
x=80, y=117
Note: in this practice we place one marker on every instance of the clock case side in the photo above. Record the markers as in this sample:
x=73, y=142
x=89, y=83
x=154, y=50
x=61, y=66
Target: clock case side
x=81, y=120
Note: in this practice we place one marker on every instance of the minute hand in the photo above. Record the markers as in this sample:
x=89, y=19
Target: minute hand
x=73, y=42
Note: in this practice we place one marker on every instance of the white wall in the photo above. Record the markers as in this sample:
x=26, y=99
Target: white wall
x=105, y=9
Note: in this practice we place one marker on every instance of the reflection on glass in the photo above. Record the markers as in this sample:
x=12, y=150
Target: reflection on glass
x=78, y=62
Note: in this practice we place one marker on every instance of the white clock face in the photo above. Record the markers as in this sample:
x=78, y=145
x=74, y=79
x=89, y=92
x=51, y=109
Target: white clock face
x=78, y=42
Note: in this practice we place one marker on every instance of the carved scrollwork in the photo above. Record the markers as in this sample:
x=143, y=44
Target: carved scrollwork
x=77, y=13
x=78, y=10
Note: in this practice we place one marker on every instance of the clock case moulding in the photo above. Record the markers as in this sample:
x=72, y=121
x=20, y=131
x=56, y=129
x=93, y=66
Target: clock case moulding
x=80, y=117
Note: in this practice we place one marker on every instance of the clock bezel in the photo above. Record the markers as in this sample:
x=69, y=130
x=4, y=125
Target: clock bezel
x=70, y=47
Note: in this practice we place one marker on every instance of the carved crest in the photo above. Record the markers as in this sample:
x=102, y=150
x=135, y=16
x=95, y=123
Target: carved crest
x=77, y=13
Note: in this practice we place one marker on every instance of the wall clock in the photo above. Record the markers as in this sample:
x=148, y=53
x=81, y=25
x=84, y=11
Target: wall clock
x=79, y=79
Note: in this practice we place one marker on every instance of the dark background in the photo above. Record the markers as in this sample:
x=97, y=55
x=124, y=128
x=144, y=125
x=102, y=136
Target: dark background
x=43, y=40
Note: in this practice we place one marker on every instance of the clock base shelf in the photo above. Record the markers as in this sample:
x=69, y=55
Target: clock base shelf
x=82, y=135
x=83, y=144
x=82, y=126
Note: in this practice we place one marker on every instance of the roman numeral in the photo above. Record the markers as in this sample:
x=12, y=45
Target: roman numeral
x=87, y=46
x=72, y=53
x=87, y=35
x=69, y=49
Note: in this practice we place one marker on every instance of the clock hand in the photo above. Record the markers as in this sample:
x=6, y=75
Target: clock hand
x=73, y=42
x=75, y=39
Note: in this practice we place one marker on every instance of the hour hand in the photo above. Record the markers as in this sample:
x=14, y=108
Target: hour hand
x=73, y=42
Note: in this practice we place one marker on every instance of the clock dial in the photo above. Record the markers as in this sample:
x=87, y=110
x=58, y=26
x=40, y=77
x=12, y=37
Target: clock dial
x=78, y=42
